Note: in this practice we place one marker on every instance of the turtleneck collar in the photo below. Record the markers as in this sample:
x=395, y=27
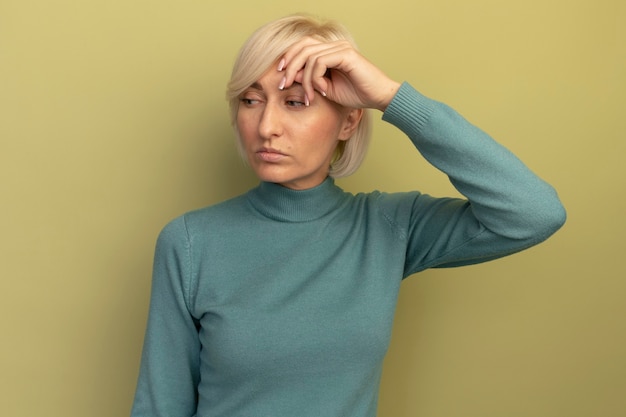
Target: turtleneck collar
x=284, y=204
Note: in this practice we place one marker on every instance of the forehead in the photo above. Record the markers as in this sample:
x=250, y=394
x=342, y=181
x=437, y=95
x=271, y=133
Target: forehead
x=270, y=80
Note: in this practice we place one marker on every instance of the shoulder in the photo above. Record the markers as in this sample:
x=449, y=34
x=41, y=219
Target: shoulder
x=220, y=212
x=390, y=203
x=199, y=221
x=404, y=209
x=393, y=208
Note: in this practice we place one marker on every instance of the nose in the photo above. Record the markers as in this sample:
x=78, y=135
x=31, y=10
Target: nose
x=270, y=124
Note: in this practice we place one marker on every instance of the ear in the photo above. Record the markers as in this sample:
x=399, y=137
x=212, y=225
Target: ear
x=350, y=123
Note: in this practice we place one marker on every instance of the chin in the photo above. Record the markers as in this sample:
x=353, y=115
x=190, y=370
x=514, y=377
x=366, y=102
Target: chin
x=268, y=175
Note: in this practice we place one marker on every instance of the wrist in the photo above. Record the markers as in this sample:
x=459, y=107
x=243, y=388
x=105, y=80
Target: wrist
x=389, y=92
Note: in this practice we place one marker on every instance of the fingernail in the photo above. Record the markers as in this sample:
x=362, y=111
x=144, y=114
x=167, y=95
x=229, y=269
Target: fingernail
x=323, y=93
x=281, y=64
x=306, y=100
x=282, y=83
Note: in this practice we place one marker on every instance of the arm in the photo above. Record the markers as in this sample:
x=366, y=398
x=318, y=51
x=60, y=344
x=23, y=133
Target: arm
x=169, y=371
x=508, y=208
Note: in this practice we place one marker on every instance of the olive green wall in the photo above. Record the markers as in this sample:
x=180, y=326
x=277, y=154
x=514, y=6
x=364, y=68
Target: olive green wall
x=113, y=121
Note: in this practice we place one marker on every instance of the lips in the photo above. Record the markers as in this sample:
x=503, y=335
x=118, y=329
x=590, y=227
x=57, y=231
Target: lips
x=270, y=155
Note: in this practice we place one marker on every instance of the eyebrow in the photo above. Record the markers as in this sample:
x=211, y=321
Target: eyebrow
x=258, y=86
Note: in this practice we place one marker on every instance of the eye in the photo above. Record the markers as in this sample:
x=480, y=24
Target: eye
x=295, y=103
x=248, y=101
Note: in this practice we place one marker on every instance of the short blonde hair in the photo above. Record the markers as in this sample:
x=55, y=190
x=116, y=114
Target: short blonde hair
x=263, y=49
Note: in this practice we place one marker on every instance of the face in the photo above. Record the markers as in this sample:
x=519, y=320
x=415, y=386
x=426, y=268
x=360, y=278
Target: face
x=285, y=141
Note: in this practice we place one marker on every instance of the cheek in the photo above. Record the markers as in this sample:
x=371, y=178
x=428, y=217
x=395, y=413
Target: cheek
x=245, y=127
x=326, y=134
x=327, y=125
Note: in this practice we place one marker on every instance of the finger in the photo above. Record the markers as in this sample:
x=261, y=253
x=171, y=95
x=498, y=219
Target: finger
x=294, y=60
x=314, y=75
x=294, y=50
x=320, y=64
x=301, y=57
x=311, y=63
x=319, y=84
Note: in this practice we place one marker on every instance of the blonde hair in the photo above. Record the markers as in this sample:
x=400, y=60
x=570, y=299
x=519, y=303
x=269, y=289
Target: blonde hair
x=263, y=49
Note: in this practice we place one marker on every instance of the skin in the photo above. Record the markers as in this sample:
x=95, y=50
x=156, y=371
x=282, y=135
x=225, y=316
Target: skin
x=291, y=119
x=287, y=141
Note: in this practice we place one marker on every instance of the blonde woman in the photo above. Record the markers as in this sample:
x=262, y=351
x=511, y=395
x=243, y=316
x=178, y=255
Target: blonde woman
x=280, y=302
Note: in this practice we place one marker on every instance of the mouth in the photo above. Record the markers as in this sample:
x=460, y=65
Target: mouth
x=270, y=155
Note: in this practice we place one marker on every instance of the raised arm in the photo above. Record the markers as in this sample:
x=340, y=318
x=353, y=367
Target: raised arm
x=508, y=207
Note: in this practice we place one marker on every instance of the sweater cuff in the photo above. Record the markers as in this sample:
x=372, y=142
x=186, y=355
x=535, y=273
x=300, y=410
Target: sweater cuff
x=409, y=110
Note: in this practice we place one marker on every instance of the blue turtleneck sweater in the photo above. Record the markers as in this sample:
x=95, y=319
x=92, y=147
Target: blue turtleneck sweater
x=279, y=303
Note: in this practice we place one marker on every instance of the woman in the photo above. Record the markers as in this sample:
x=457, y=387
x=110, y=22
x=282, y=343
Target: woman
x=280, y=302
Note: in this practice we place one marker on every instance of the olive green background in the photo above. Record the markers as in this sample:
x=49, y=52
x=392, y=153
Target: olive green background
x=113, y=121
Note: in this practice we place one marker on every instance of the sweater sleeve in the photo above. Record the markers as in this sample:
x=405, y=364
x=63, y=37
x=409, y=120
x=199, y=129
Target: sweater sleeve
x=507, y=207
x=169, y=370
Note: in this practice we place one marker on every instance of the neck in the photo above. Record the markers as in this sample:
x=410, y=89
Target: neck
x=285, y=204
